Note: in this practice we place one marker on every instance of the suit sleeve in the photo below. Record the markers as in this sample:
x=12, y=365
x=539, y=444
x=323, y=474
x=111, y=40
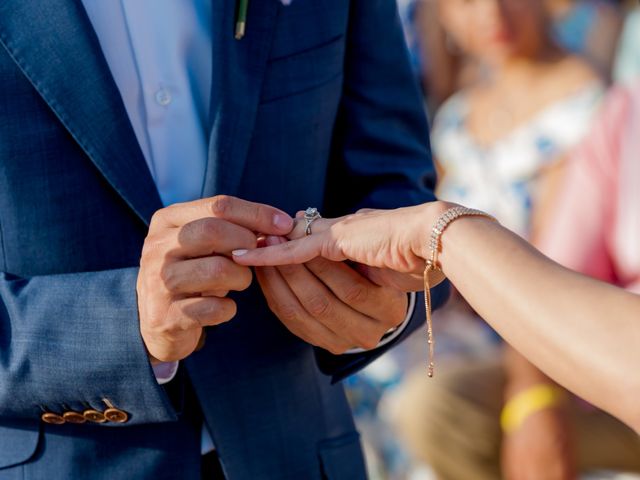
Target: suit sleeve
x=68, y=342
x=381, y=152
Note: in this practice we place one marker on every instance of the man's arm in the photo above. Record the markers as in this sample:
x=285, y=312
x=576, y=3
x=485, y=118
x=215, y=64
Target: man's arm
x=83, y=341
x=70, y=342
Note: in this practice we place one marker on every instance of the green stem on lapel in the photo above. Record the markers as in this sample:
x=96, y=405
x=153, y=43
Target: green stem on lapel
x=241, y=18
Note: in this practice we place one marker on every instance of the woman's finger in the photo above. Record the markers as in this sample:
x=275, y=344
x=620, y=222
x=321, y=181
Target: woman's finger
x=318, y=226
x=290, y=253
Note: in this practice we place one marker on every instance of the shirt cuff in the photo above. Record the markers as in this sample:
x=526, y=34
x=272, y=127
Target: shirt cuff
x=165, y=372
x=394, y=333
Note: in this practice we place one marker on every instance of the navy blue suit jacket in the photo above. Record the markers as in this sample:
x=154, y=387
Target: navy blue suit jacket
x=315, y=106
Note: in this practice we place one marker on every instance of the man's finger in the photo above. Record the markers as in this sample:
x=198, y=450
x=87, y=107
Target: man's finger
x=215, y=293
x=284, y=304
x=207, y=236
x=256, y=217
x=348, y=285
x=321, y=304
x=201, y=312
x=390, y=278
x=205, y=275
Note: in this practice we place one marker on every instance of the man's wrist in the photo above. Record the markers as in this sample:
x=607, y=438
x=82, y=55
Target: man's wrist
x=394, y=333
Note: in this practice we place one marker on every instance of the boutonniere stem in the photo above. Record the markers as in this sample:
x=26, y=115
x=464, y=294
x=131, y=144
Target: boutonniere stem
x=241, y=18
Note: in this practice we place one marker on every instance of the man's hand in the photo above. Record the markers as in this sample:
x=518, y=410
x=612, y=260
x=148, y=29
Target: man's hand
x=540, y=448
x=185, y=274
x=330, y=305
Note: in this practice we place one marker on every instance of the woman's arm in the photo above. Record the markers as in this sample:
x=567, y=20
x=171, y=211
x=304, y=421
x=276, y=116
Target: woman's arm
x=583, y=333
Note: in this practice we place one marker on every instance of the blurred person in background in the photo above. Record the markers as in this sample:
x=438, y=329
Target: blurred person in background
x=627, y=64
x=500, y=145
x=589, y=28
x=441, y=67
x=436, y=62
x=595, y=230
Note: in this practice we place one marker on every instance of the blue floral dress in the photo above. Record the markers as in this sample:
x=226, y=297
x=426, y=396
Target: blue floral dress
x=499, y=178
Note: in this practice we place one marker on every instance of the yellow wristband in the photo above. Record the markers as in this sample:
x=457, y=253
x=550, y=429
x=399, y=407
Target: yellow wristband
x=526, y=403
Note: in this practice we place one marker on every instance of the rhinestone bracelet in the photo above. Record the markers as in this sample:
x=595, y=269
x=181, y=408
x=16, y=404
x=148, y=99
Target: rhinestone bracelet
x=433, y=274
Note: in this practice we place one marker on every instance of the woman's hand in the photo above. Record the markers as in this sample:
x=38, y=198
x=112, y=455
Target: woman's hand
x=380, y=239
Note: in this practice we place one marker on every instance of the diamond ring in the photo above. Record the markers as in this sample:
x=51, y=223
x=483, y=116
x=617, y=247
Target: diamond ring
x=310, y=216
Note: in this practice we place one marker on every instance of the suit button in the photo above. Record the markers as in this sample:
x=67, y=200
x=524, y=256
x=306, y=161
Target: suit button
x=74, y=417
x=94, y=416
x=52, y=418
x=116, y=415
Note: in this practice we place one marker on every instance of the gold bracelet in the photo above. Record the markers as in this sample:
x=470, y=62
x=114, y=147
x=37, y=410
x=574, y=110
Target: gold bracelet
x=433, y=274
x=524, y=404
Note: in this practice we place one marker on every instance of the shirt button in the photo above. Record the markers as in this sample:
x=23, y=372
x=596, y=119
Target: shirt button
x=163, y=97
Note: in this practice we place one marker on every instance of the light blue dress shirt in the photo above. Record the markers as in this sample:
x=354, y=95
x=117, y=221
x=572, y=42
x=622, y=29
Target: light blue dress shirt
x=159, y=53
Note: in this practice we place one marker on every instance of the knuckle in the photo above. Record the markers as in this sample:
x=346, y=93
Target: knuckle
x=213, y=267
x=356, y=294
x=287, y=313
x=152, y=245
x=221, y=205
x=369, y=342
x=198, y=312
x=186, y=318
x=209, y=228
x=246, y=279
x=258, y=213
x=321, y=266
x=168, y=323
x=337, y=349
x=393, y=321
x=319, y=306
x=288, y=270
x=218, y=311
x=157, y=217
x=169, y=279
x=400, y=307
x=153, y=323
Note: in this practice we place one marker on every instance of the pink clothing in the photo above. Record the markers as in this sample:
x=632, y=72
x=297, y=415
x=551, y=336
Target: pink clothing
x=596, y=226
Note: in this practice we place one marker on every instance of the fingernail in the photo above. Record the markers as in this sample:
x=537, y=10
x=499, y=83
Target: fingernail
x=239, y=253
x=282, y=222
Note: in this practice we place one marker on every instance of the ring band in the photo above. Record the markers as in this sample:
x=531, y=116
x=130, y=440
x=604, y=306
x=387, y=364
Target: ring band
x=310, y=215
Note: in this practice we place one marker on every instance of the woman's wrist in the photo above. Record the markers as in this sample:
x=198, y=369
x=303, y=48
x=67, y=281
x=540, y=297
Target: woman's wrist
x=462, y=233
x=426, y=217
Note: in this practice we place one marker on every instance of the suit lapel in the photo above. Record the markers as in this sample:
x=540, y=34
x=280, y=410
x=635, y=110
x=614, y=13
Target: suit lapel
x=238, y=72
x=55, y=46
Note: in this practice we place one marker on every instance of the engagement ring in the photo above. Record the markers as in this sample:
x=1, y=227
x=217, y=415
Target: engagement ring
x=310, y=216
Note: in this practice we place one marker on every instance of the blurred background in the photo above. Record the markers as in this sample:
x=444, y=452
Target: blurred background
x=515, y=92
